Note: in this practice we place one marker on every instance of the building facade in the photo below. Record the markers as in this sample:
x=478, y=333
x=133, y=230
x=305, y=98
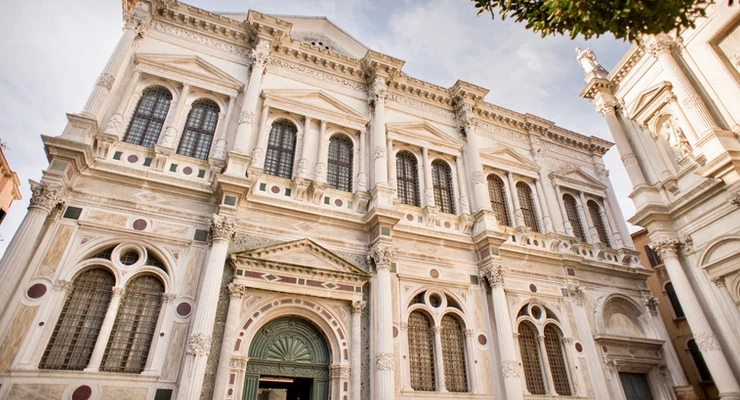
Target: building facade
x=671, y=105
x=9, y=185
x=251, y=206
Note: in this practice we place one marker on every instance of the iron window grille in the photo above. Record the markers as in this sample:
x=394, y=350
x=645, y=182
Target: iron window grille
x=339, y=171
x=199, y=129
x=531, y=358
x=134, y=327
x=595, y=210
x=526, y=204
x=149, y=117
x=497, y=194
x=453, y=354
x=281, y=149
x=407, y=178
x=421, y=352
x=673, y=298
x=130, y=257
x=106, y=253
x=571, y=209
x=76, y=331
x=442, y=184
x=558, y=369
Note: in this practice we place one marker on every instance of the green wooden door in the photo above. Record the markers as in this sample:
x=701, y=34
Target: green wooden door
x=635, y=386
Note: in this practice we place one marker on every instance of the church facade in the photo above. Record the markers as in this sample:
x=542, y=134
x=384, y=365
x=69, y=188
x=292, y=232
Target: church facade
x=671, y=105
x=260, y=207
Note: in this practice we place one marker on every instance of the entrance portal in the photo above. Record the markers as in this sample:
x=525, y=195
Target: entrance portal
x=288, y=360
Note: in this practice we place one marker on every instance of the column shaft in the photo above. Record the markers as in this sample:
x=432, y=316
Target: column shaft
x=623, y=145
x=544, y=206
x=105, y=330
x=439, y=366
x=507, y=349
x=392, y=173
x=518, y=215
x=480, y=189
x=462, y=184
x=356, y=349
x=384, y=356
x=378, y=95
x=592, y=233
x=428, y=182
x=566, y=222
x=169, y=136
x=303, y=161
x=616, y=213
x=236, y=292
x=116, y=120
x=320, y=174
x=249, y=106
x=362, y=174
x=258, y=154
x=538, y=205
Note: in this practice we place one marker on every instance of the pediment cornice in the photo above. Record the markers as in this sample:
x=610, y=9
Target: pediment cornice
x=317, y=104
x=422, y=133
x=576, y=178
x=510, y=160
x=190, y=68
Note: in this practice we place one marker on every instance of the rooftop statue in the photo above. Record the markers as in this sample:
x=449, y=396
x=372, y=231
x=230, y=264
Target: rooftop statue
x=587, y=59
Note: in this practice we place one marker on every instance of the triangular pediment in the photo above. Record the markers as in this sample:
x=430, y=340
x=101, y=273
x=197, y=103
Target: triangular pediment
x=507, y=158
x=303, y=253
x=190, y=68
x=417, y=132
x=316, y=104
x=578, y=179
x=649, y=102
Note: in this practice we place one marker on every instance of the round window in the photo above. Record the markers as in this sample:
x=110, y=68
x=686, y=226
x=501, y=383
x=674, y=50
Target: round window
x=130, y=257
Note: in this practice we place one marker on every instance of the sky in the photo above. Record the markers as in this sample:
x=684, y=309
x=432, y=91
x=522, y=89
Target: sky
x=54, y=50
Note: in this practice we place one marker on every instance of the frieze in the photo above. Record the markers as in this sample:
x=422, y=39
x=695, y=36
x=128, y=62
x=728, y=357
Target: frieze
x=499, y=130
x=318, y=75
x=406, y=101
x=201, y=39
x=287, y=370
x=566, y=152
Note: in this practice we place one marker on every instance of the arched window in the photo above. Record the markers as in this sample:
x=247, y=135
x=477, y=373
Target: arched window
x=199, y=129
x=421, y=352
x=673, y=298
x=339, y=171
x=453, y=354
x=149, y=116
x=407, y=178
x=281, y=149
x=571, y=209
x=77, y=328
x=595, y=210
x=526, y=203
x=497, y=193
x=442, y=184
x=554, y=348
x=528, y=343
x=134, y=327
x=701, y=365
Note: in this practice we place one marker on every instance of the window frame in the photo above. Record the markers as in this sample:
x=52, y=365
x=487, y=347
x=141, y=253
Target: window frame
x=198, y=133
x=503, y=201
x=410, y=199
x=279, y=159
x=335, y=166
x=444, y=197
x=530, y=212
x=148, y=119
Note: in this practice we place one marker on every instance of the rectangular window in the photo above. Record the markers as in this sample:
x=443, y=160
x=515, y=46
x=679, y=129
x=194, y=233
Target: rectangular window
x=653, y=257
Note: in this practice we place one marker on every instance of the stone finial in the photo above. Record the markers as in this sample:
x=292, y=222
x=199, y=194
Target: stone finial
x=587, y=59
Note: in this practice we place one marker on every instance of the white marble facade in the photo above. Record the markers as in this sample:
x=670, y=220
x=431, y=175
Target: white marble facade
x=437, y=260
x=671, y=104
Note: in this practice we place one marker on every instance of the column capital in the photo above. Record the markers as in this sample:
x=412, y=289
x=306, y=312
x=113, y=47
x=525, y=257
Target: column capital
x=437, y=329
x=236, y=291
x=45, y=196
x=494, y=274
x=118, y=291
x=735, y=201
x=382, y=256
x=260, y=54
x=135, y=18
x=719, y=281
x=238, y=363
x=168, y=297
x=378, y=91
x=357, y=307
x=659, y=44
x=222, y=228
x=199, y=345
x=607, y=107
x=666, y=247
x=576, y=292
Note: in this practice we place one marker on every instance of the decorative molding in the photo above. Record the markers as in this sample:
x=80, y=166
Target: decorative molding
x=199, y=345
x=735, y=201
x=318, y=75
x=719, y=281
x=105, y=81
x=384, y=362
x=510, y=369
x=666, y=247
x=168, y=297
x=118, y=291
x=494, y=274
x=706, y=342
x=502, y=131
x=479, y=178
x=222, y=228
x=358, y=306
x=236, y=291
x=200, y=39
x=62, y=285
x=576, y=292
x=406, y=101
x=566, y=152
x=238, y=363
x=382, y=256
x=246, y=117
x=45, y=197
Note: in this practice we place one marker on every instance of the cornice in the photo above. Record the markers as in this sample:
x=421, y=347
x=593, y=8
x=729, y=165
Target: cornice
x=626, y=64
x=204, y=22
x=322, y=60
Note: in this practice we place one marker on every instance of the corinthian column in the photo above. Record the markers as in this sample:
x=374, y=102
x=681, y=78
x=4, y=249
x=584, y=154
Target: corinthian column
x=260, y=57
x=703, y=334
x=236, y=293
x=23, y=245
x=385, y=363
x=509, y=364
x=608, y=110
x=356, y=349
x=199, y=344
x=472, y=151
x=133, y=22
x=377, y=94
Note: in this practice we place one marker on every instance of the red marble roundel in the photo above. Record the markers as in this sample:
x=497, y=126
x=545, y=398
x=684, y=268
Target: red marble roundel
x=338, y=202
x=82, y=393
x=275, y=189
x=579, y=347
x=395, y=332
x=434, y=273
x=140, y=224
x=448, y=225
x=132, y=159
x=184, y=309
x=533, y=288
x=187, y=170
x=482, y=340
x=36, y=291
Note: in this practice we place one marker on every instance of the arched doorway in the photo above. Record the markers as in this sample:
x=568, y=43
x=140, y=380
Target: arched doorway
x=288, y=360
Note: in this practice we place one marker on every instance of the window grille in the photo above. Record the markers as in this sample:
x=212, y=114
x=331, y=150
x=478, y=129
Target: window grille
x=442, y=184
x=595, y=211
x=531, y=358
x=673, y=298
x=497, y=193
x=77, y=328
x=571, y=209
x=154, y=261
x=698, y=358
x=104, y=253
x=653, y=257
x=129, y=258
x=339, y=171
x=421, y=352
x=554, y=348
x=526, y=203
x=149, y=117
x=134, y=327
x=199, y=129
x=281, y=149
x=407, y=178
x=453, y=355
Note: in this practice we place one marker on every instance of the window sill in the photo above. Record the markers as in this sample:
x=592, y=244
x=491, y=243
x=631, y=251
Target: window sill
x=442, y=395
x=69, y=374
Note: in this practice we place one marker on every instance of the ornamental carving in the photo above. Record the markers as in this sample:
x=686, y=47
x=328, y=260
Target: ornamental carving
x=200, y=39
x=258, y=156
x=510, y=369
x=219, y=150
x=468, y=332
x=706, y=342
x=362, y=180
x=379, y=152
x=168, y=297
x=659, y=45
x=320, y=172
x=494, y=274
x=666, y=247
x=719, y=281
x=428, y=196
x=382, y=256
x=238, y=363
x=607, y=107
x=588, y=61
x=479, y=178
x=421, y=106
x=45, y=197
x=378, y=90
x=132, y=20
x=118, y=291
x=735, y=201
x=105, y=81
x=199, y=345
x=384, y=362
x=246, y=117
x=260, y=55
x=168, y=137
x=114, y=124
x=576, y=292
x=651, y=303
x=62, y=285
x=236, y=291
x=302, y=167
x=222, y=228
x=358, y=306
x=692, y=102
x=318, y=75
x=629, y=159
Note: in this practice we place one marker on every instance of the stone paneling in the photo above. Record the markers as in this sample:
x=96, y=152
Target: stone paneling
x=123, y=393
x=36, y=391
x=18, y=329
x=177, y=346
x=56, y=250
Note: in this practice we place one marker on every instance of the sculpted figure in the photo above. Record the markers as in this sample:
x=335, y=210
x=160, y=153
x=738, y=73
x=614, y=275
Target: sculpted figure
x=587, y=59
x=675, y=137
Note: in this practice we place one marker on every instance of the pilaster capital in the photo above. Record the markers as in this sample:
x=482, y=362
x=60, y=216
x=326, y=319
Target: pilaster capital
x=494, y=275
x=436, y=329
x=238, y=363
x=358, y=307
x=137, y=19
x=651, y=303
x=607, y=107
x=62, y=285
x=659, y=45
x=236, y=291
x=576, y=292
x=666, y=247
x=105, y=80
x=260, y=54
x=468, y=332
x=45, y=196
x=222, y=228
x=199, y=345
x=719, y=281
x=378, y=90
x=385, y=362
x=382, y=256
x=735, y=201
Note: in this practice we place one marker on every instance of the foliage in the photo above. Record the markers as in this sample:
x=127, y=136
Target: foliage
x=626, y=19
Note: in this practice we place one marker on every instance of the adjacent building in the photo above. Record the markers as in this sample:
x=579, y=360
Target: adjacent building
x=9, y=185
x=254, y=206
x=672, y=107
